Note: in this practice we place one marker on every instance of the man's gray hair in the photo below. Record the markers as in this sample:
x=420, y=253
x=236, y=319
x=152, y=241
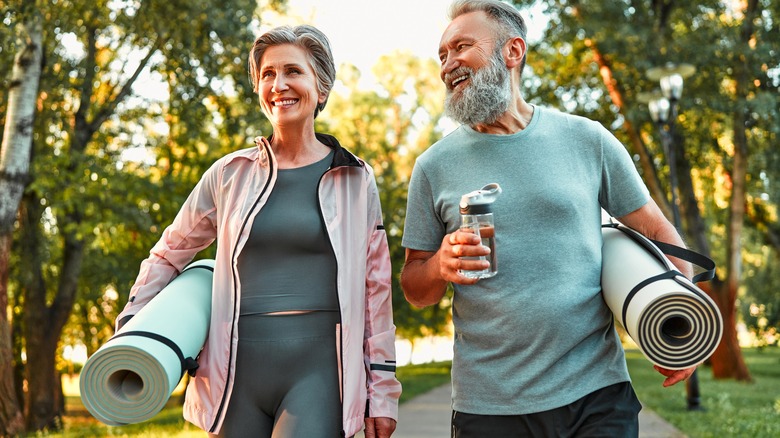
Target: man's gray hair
x=510, y=22
x=312, y=41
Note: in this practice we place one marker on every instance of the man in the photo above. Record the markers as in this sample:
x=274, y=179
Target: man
x=535, y=352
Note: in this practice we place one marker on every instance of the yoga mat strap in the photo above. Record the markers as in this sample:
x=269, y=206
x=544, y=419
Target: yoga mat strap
x=123, y=321
x=686, y=254
x=188, y=365
x=697, y=259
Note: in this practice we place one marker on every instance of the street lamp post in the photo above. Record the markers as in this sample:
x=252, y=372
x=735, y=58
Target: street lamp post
x=663, y=111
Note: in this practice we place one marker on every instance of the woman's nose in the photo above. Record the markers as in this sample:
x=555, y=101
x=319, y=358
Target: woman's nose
x=280, y=83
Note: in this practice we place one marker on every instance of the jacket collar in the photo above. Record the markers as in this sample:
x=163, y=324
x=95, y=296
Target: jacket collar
x=341, y=156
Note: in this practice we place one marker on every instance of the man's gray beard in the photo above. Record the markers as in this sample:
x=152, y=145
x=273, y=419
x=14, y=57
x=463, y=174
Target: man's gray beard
x=485, y=99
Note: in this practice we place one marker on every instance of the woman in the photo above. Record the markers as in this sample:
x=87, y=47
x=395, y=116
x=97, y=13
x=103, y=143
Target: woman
x=301, y=341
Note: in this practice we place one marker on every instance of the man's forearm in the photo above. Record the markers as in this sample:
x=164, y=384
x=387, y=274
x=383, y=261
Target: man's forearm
x=422, y=283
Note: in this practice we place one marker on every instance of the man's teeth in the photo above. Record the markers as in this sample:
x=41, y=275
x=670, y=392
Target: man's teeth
x=459, y=79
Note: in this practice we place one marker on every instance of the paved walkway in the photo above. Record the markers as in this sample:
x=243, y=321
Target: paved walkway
x=428, y=416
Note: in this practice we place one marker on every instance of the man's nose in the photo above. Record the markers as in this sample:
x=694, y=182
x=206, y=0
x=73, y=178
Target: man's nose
x=450, y=64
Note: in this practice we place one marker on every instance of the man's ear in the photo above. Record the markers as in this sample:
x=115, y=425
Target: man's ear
x=514, y=51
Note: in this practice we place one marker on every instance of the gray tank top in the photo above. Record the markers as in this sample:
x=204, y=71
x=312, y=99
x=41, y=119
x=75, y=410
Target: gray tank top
x=288, y=262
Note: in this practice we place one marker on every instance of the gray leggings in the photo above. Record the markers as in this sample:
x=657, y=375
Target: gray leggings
x=286, y=378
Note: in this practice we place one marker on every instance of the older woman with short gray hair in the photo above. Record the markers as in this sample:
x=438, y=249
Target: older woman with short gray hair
x=301, y=337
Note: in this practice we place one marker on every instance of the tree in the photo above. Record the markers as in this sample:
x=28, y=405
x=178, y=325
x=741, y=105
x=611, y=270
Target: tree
x=86, y=197
x=594, y=48
x=389, y=127
x=14, y=166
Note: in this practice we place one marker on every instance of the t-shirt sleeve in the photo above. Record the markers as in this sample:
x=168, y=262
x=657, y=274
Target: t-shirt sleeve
x=622, y=189
x=423, y=229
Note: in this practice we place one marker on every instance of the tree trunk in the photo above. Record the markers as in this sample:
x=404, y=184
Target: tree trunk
x=42, y=408
x=11, y=419
x=43, y=323
x=731, y=363
x=689, y=205
x=727, y=361
x=45, y=311
x=14, y=166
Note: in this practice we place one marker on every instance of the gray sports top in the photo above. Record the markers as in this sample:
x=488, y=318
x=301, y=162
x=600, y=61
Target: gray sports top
x=288, y=262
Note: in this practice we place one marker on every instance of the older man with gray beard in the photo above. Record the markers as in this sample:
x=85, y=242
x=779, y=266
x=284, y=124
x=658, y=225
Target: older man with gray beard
x=536, y=352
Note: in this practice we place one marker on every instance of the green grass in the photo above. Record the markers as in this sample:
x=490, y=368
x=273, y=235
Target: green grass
x=419, y=379
x=78, y=423
x=732, y=409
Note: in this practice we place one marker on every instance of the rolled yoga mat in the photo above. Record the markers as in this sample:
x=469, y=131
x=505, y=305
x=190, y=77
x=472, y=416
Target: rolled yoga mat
x=674, y=323
x=131, y=377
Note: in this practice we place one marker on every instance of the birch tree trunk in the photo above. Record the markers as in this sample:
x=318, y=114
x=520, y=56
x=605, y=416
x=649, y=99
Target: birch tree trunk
x=14, y=176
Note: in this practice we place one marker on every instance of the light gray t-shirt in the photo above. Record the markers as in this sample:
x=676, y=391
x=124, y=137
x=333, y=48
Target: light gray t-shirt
x=538, y=335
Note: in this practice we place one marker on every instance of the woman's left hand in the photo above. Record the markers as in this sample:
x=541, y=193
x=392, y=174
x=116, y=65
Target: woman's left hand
x=379, y=427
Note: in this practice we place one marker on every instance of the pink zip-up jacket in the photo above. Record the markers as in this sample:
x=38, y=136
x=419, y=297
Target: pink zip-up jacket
x=222, y=206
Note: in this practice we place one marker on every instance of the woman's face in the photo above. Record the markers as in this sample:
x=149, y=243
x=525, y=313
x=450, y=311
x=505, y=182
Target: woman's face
x=288, y=86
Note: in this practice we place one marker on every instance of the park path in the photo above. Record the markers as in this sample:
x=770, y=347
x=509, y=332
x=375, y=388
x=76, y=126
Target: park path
x=428, y=416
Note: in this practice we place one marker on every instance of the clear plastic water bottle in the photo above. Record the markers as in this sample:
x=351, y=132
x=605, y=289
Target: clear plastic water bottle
x=476, y=215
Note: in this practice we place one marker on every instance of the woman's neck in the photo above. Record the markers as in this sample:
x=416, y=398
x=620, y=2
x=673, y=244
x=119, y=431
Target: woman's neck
x=297, y=148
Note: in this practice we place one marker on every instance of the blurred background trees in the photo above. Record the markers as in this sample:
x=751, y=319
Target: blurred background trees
x=594, y=59
x=110, y=161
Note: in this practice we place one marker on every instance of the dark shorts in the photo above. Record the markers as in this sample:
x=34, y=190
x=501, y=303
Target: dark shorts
x=609, y=412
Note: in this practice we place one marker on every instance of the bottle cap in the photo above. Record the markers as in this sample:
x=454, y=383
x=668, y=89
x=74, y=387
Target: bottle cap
x=479, y=201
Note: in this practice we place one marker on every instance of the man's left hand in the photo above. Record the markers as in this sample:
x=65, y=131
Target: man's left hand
x=379, y=427
x=674, y=376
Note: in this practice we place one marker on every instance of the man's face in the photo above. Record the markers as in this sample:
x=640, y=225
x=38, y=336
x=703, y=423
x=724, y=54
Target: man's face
x=468, y=42
x=474, y=71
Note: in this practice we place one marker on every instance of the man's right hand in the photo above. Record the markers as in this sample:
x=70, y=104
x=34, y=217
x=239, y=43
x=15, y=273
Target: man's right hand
x=426, y=274
x=453, y=248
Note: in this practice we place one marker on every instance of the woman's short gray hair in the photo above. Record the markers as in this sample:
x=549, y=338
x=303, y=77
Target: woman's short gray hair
x=510, y=22
x=310, y=39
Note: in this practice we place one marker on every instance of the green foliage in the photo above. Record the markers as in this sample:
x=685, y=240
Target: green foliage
x=113, y=159
x=731, y=408
x=388, y=128
x=630, y=38
x=87, y=188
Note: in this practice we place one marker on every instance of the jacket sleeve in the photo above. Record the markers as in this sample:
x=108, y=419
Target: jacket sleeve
x=192, y=230
x=384, y=389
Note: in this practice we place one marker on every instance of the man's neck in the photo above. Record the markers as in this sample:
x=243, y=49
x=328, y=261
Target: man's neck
x=514, y=120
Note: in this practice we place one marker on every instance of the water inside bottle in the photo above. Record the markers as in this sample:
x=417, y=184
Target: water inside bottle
x=488, y=235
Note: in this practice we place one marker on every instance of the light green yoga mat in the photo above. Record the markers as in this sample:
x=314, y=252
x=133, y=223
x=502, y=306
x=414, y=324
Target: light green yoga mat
x=131, y=377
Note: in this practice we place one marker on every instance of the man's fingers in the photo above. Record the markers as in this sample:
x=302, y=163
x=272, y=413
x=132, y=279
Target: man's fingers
x=674, y=376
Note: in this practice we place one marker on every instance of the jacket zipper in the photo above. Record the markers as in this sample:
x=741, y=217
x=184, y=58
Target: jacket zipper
x=233, y=269
x=340, y=365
